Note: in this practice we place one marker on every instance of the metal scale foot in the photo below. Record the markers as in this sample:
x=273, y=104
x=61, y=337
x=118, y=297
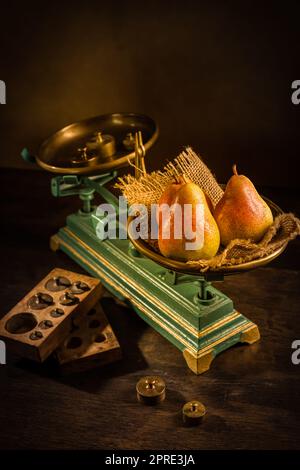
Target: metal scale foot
x=201, y=362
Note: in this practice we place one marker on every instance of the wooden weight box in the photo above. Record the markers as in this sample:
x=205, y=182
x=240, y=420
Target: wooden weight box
x=43, y=319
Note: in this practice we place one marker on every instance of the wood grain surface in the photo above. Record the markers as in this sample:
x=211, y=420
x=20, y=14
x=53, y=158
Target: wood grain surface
x=251, y=392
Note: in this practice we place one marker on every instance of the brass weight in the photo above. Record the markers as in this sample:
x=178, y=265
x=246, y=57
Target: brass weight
x=193, y=412
x=151, y=390
x=102, y=145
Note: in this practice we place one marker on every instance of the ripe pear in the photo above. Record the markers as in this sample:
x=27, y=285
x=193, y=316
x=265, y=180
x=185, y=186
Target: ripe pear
x=241, y=212
x=205, y=236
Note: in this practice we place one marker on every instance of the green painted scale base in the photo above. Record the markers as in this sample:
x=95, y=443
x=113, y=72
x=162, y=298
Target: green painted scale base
x=188, y=311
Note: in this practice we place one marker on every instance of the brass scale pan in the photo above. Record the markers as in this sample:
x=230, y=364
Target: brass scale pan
x=96, y=145
x=62, y=153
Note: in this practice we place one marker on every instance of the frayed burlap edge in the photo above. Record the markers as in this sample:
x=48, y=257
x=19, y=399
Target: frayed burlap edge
x=285, y=228
x=148, y=188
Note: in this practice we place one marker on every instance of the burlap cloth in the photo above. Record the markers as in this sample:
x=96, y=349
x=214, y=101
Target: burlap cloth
x=148, y=189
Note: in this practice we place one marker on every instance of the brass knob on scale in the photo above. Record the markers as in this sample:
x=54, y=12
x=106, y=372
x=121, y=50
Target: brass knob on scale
x=83, y=152
x=129, y=141
x=82, y=159
x=99, y=138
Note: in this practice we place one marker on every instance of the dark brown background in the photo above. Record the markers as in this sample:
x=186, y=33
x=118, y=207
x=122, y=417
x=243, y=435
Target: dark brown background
x=216, y=75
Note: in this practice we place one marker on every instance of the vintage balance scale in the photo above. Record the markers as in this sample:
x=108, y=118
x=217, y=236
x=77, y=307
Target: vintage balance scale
x=175, y=300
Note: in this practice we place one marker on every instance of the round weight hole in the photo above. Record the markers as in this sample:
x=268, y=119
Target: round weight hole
x=68, y=299
x=57, y=283
x=36, y=335
x=79, y=287
x=57, y=312
x=40, y=300
x=21, y=323
x=45, y=324
x=74, y=343
x=100, y=338
x=94, y=324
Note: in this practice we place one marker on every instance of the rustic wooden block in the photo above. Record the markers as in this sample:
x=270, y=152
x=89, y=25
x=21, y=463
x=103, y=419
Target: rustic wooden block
x=41, y=321
x=91, y=343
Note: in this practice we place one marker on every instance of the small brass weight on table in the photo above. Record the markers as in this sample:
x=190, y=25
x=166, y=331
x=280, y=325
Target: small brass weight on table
x=193, y=412
x=151, y=390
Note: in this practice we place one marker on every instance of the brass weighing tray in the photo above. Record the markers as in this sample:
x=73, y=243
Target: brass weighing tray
x=180, y=267
x=58, y=151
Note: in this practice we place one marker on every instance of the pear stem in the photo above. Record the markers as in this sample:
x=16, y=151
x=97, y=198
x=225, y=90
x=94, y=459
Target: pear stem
x=234, y=169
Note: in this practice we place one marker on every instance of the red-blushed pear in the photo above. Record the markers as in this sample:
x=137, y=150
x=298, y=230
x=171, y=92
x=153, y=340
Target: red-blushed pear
x=241, y=212
x=186, y=233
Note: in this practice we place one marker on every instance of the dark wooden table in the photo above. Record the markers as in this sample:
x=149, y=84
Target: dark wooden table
x=251, y=392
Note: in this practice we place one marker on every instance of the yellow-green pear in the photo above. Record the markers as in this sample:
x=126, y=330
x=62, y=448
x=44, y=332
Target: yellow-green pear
x=181, y=193
x=241, y=212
